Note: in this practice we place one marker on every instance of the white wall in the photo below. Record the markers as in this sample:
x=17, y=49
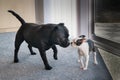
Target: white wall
x=47, y=11
x=57, y=11
x=25, y=8
x=39, y=11
x=84, y=17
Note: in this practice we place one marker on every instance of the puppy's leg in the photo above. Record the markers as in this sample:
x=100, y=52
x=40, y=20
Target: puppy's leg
x=95, y=60
x=79, y=57
x=55, y=52
x=94, y=53
x=90, y=52
x=44, y=58
x=86, y=62
x=31, y=51
x=81, y=62
x=19, y=39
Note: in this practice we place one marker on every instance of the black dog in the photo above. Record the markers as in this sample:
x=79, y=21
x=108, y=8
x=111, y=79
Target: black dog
x=42, y=37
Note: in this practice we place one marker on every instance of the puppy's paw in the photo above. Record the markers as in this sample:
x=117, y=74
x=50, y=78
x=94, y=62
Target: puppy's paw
x=96, y=63
x=78, y=60
x=81, y=67
x=48, y=67
x=84, y=68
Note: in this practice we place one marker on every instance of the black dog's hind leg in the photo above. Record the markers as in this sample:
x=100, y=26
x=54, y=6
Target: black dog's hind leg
x=44, y=58
x=55, y=52
x=31, y=51
x=18, y=41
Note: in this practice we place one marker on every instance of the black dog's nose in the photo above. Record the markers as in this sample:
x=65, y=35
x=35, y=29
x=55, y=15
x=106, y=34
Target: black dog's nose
x=68, y=43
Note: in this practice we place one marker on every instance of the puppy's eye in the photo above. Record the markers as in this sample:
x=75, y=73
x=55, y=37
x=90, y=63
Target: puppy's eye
x=74, y=42
x=78, y=42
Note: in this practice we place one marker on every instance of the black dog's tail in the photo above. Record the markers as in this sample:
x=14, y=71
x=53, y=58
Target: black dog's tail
x=17, y=16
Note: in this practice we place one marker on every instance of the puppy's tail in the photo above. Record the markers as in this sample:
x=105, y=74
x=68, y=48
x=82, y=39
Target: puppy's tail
x=17, y=16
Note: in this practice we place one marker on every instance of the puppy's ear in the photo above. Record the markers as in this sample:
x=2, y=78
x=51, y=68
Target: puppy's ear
x=82, y=36
x=62, y=24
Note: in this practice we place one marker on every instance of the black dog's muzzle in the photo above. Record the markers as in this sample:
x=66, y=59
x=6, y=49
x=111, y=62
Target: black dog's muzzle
x=65, y=43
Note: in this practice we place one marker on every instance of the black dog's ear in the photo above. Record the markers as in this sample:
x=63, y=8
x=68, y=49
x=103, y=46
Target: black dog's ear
x=62, y=24
x=56, y=27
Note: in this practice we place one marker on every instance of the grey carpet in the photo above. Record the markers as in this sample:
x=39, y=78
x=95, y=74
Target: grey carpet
x=32, y=68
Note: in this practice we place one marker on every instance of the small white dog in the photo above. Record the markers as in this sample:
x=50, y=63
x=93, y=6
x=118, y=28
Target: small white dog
x=85, y=46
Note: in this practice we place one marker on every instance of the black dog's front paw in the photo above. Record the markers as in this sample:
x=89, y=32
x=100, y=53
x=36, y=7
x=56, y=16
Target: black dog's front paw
x=48, y=67
x=55, y=57
x=16, y=60
x=33, y=53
